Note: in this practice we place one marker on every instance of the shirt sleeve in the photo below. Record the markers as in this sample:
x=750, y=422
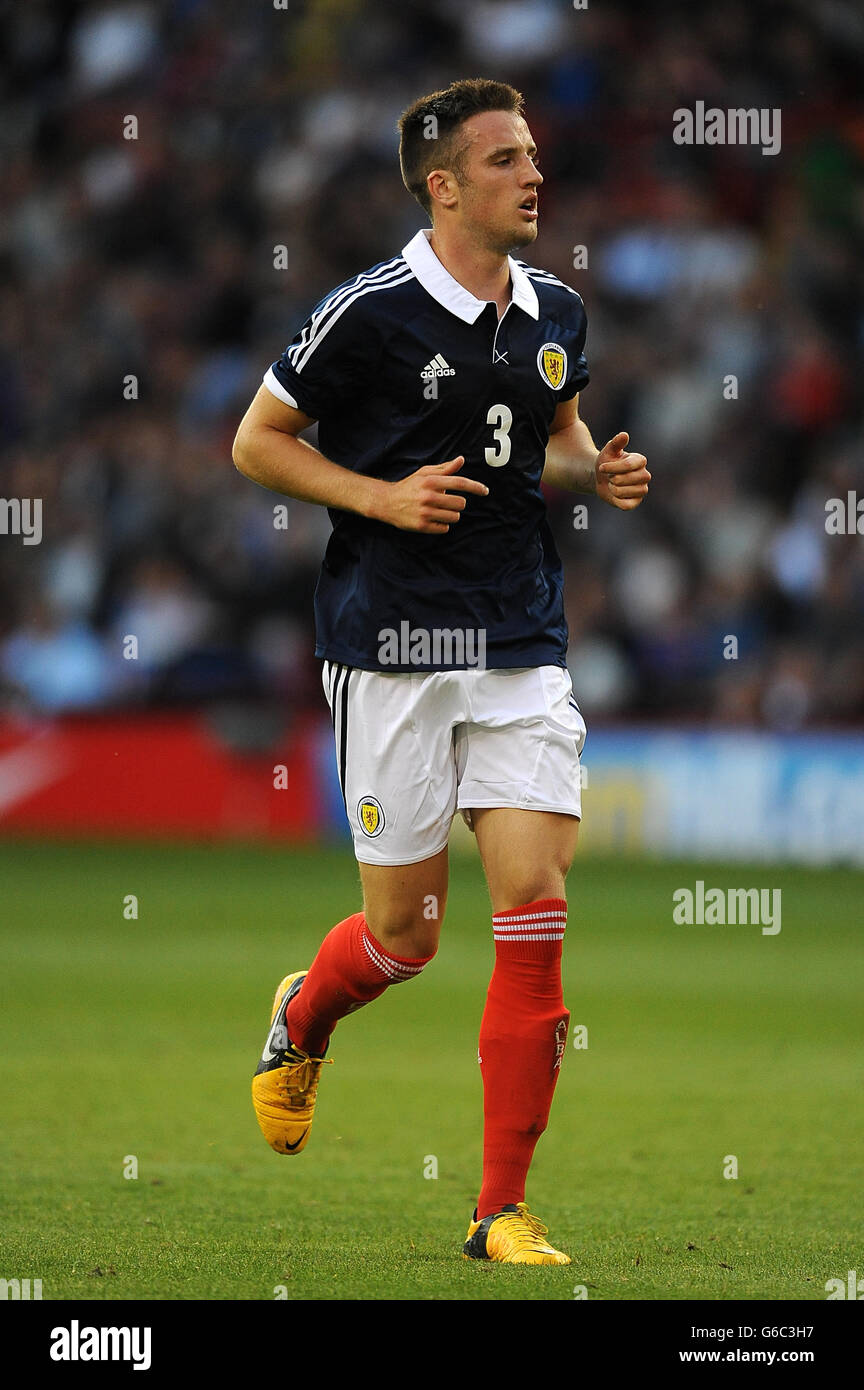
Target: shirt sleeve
x=579, y=377
x=578, y=374
x=328, y=361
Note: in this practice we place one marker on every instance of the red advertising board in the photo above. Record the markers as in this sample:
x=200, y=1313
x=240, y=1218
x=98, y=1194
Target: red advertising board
x=159, y=775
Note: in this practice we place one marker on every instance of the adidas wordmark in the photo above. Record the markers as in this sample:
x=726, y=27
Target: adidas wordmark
x=437, y=367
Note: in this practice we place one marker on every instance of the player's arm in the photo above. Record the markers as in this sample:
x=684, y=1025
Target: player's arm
x=574, y=463
x=267, y=450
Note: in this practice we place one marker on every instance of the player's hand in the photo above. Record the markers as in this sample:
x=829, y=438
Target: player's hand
x=622, y=478
x=430, y=500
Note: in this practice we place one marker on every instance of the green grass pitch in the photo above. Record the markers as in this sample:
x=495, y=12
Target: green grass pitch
x=138, y=1038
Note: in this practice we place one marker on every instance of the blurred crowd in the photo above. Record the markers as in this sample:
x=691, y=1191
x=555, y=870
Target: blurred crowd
x=142, y=299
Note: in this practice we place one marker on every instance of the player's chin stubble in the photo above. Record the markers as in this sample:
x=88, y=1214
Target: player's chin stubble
x=522, y=238
x=513, y=239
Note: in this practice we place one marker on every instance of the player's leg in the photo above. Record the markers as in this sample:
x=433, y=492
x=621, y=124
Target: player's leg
x=404, y=904
x=388, y=942
x=526, y=851
x=356, y=962
x=398, y=779
x=526, y=856
x=399, y=789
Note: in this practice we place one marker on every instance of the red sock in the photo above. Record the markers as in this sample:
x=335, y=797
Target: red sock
x=522, y=1040
x=350, y=970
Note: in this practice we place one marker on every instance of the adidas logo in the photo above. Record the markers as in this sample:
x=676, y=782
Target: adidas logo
x=437, y=367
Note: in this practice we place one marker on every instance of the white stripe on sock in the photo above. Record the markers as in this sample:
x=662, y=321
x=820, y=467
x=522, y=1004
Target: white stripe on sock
x=531, y=936
x=395, y=969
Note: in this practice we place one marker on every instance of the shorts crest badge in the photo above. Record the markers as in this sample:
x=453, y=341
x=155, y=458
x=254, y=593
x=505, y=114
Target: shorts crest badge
x=370, y=814
x=552, y=364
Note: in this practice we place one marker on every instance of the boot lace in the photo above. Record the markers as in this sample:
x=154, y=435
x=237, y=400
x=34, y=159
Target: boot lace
x=300, y=1080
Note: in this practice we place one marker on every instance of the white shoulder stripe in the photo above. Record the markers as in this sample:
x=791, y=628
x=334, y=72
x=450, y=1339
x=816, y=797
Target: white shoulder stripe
x=333, y=301
x=376, y=273
x=547, y=278
x=299, y=362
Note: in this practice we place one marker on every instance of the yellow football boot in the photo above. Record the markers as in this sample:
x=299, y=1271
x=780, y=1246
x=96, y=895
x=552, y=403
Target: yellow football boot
x=285, y=1084
x=512, y=1236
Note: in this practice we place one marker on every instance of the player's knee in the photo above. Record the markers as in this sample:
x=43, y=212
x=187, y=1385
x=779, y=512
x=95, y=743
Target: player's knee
x=525, y=879
x=532, y=888
x=409, y=939
x=409, y=925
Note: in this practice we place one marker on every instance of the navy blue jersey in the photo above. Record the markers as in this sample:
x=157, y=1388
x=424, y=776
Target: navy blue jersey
x=403, y=367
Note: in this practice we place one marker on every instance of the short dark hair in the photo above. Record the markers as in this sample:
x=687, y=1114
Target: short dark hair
x=428, y=128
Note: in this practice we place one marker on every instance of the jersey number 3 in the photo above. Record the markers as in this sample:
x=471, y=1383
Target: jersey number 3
x=501, y=416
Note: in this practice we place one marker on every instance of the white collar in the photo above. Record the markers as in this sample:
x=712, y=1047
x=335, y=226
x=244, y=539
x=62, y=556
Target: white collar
x=437, y=281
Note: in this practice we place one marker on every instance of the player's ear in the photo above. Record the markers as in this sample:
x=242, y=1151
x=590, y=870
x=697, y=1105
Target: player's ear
x=443, y=188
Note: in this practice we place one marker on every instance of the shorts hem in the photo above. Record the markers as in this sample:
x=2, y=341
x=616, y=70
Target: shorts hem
x=395, y=863
x=501, y=803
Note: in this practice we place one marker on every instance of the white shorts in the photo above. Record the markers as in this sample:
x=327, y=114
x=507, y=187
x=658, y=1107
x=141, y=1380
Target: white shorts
x=413, y=749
